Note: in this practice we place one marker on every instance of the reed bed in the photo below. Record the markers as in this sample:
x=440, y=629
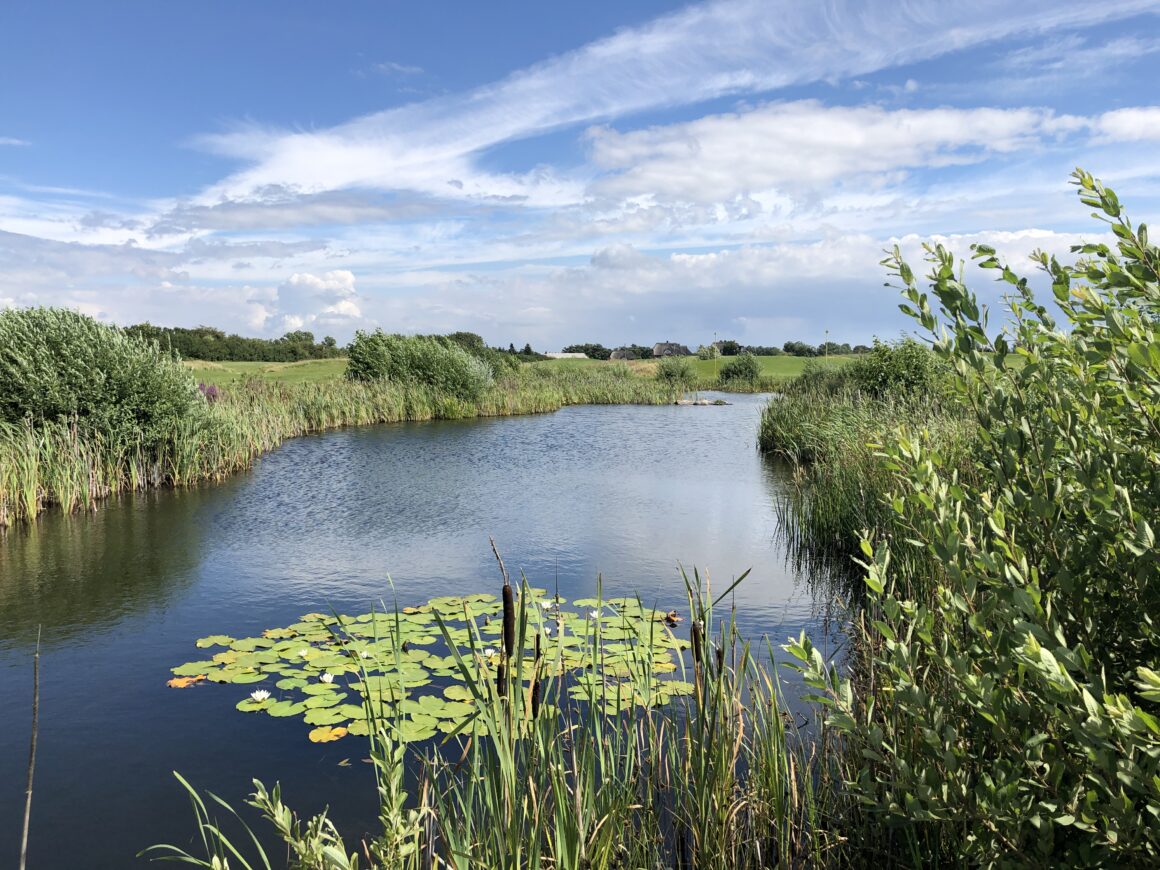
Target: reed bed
x=543, y=776
x=56, y=464
x=830, y=434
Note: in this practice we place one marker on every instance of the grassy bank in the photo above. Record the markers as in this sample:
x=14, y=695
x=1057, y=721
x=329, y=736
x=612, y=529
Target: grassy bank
x=774, y=372
x=60, y=464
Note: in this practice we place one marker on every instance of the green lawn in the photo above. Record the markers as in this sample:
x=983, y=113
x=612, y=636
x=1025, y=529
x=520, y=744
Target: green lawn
x=293, y=373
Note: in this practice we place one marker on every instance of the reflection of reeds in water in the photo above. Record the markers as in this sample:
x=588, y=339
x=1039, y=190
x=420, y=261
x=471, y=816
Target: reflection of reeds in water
x=548, y=776
x=54, y=464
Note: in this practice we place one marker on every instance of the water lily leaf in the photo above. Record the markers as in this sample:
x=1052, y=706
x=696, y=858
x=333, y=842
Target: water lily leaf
x=456, y=710
x=329, y=700
x=352, y=711
x=286, y=708
x=250, y=705
x=214, y=640
x=192, y=669
x=319, y=688
x=458, y=693
x=327, y=735
x=246, y=677
x=249, y=644
x=291, y=683
x=323, y=716
x=279, y=633
x=359, y=726
x=185, y=682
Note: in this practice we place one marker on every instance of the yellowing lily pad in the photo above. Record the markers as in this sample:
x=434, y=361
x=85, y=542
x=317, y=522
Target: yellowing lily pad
x=327, y=735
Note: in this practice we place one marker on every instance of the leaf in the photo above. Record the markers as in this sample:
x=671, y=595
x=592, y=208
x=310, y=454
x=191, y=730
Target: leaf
x=214, y=640
x=185, y=682
x=324, y=734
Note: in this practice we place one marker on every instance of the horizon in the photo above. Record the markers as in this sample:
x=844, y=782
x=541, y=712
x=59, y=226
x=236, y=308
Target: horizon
x=554, y=176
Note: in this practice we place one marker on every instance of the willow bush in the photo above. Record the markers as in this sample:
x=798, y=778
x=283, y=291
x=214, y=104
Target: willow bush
x=401, y=359
x=1006, y=702
x=62, y=367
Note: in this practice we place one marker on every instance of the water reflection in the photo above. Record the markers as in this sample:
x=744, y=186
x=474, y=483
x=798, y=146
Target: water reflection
x=73, y=575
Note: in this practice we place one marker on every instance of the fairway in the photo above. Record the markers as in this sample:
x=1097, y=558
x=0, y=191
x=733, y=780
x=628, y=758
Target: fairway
x=306, y=371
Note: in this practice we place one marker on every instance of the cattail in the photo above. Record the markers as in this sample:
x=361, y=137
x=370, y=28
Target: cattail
x=537, y=646
x=535, y=698
x=720, y=658
x=501, y=680
x=509, y=621
x=695, y=640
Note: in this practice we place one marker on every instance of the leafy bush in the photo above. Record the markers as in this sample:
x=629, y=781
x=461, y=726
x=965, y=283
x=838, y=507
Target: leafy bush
x=418, y=360
x=707, y=351
x=1014, y=714
x=676, y=371
x=58, y=365
x=903, y=367
x=743, y=368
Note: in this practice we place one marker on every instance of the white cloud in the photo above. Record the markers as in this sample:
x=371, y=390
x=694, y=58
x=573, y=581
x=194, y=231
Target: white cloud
x=8, y=140
x=309, y=301
x=1130, y=125
x=807, y=145
x=702, y=52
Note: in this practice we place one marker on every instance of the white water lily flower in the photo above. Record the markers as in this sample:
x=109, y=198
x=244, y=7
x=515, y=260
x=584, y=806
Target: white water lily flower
x=547, y=605
x=594, y=614
x=327, y=678
x=363, y=654
x=548, y=630
x=259, y=694
x=489, y=652
x=304, y=652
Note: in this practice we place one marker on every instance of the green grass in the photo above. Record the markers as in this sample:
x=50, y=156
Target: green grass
x=311, y=371
x=784, y=366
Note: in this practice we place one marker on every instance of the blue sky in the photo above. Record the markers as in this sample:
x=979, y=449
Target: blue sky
x=552, y=173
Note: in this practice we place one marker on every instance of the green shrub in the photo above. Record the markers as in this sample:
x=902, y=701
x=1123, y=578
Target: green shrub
x=58, y=365
x=677, y=372
x=446, y=366
x=1015, y=709
x=903, y=367
x=743, y=368
x=707, y=352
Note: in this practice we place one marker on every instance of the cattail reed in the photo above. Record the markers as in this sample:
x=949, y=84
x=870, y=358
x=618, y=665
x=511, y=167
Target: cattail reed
x=509, y=621
x=695, y=640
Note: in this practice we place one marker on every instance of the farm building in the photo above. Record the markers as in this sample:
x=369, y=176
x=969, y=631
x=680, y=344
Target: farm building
x=670, y=348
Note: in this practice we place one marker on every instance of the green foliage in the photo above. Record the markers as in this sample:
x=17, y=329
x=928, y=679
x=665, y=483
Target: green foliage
x=743, y=368
x=707, y=351
x=1014, y=715
x=214, y=345
x=905, y=367
x=677, y=372
x=444, y=366
x=592, y=349
x=60, y=366
x=558, y=768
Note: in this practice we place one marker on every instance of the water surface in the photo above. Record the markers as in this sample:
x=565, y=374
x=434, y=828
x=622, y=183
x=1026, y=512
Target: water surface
x=627, y=493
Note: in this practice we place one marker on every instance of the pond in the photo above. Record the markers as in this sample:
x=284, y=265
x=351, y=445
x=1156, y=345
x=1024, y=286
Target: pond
x=343, y=521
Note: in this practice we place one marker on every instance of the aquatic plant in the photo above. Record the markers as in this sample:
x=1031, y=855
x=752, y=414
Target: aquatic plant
x=618, y=766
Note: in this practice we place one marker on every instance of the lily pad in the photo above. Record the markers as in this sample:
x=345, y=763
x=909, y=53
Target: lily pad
x=214, y=640
x=327, y=735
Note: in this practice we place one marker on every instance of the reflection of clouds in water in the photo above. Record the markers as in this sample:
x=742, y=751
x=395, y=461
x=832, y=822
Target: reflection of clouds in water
x=624, y=492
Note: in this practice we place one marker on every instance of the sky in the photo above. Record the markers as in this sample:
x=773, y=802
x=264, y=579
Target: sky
x=553, y=173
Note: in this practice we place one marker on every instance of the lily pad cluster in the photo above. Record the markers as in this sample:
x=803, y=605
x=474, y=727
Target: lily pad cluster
x=423, y=667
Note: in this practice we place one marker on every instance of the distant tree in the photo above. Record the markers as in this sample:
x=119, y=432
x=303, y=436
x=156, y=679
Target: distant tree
x=707, y=351
x=861, y=348
x=594, y=351
x=527, y=351
x=729, y=347
x=762, y=350
x=799, y=348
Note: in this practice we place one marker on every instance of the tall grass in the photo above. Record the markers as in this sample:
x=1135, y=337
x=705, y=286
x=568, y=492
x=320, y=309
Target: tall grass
x=547, y=777
x=57, y=463
x=828, y=427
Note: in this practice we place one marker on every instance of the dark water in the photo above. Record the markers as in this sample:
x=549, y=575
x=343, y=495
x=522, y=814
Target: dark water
x=625, y=492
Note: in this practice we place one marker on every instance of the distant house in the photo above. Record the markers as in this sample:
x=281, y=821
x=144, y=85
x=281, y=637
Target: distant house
x=670, y=348
x=566, y=355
